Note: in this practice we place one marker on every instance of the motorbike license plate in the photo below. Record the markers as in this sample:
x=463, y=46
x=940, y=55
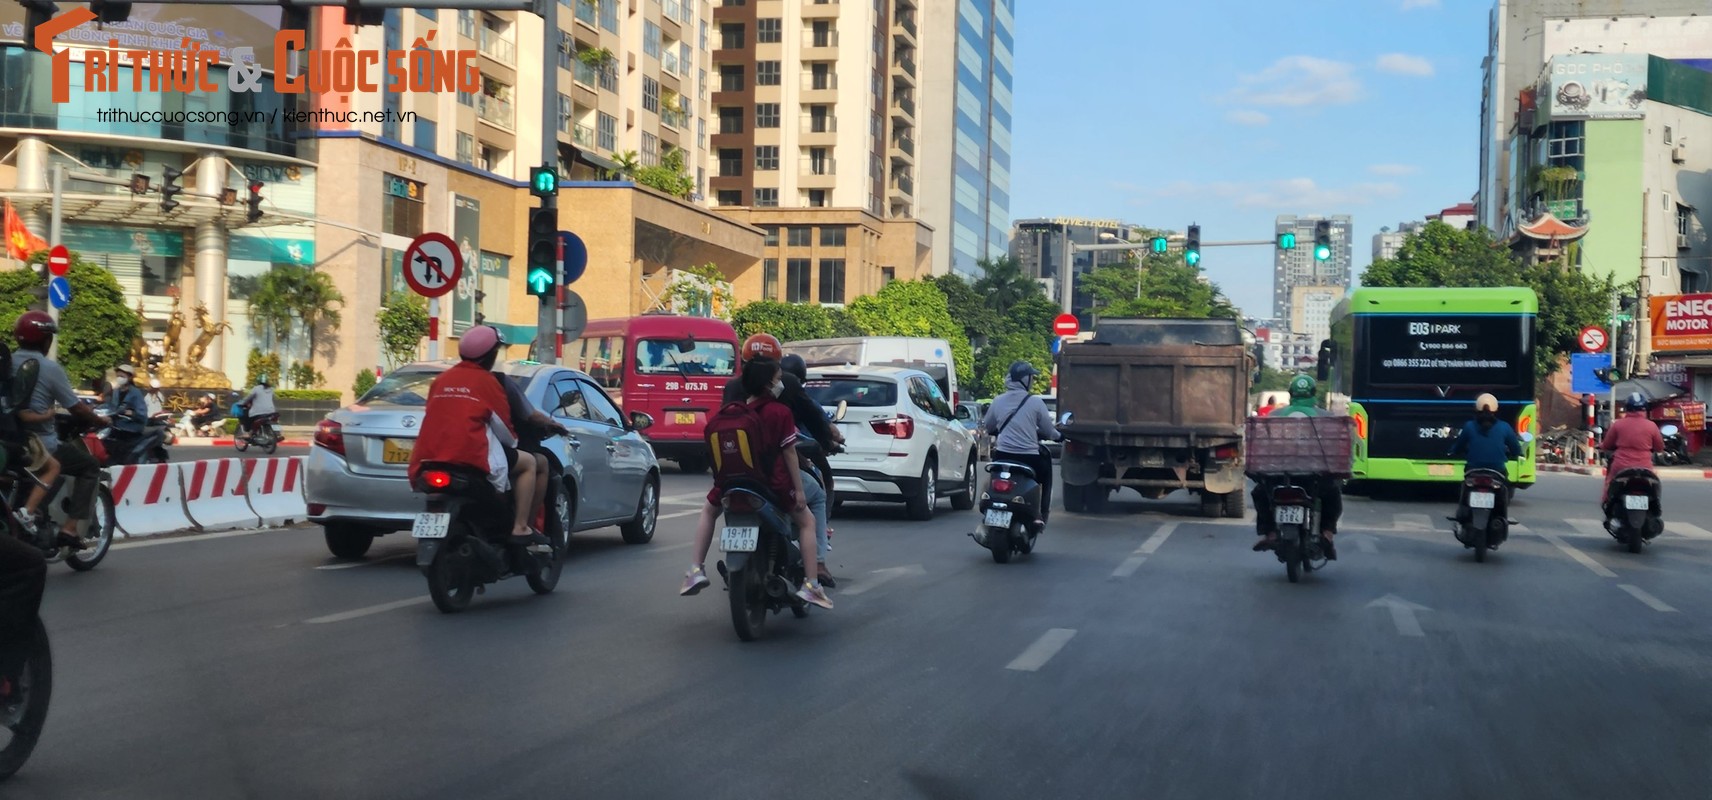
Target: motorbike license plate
x=739, y=540
x=431, y=526
x=396, y=451
x=684, y=417
x=1291, y=515
x=1441, y=470
x=998, y=519
x=1482, y=500
x=1637, y=502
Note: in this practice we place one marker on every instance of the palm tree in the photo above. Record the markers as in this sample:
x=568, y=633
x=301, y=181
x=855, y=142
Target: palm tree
x=316, y=303
x=270, y=305
x=628, y=163
x=289, y=293
x=1004, y=284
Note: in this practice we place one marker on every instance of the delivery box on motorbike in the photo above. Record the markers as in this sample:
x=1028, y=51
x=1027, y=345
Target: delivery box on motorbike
x=1300, y=446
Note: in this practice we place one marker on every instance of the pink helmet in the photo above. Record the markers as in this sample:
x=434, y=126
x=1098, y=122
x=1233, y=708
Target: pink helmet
x=477, y=342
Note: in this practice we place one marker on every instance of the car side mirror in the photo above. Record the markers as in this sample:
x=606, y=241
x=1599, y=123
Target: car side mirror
x=640, y=421
x=963, y=412
x=843, y=408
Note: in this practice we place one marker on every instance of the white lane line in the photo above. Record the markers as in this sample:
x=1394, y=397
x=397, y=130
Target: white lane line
x=365, y=612
x=1641, y=595
x=355, y=564
x=1688, y=530
x=678, y=515
x=1589, y=527
x=1147, y=548
x=882, y=577
x=1586, y=560
x=1042, y=650
x=1413, y=521
x=203, y=537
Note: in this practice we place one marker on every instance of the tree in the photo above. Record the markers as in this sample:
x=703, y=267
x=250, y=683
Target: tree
x=968, y=306
x=316, y=303
x=628, y=163
x=95, y=330
x=259, y=364
x=403, y=321
x=1008, y=348
x=365, y=381
x=917, y=309
x=1004, y=284
x=706, y=294
x=1157, y=286
x=789, y=322
x=668, y=176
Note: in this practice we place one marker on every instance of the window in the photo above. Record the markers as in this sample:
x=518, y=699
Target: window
x=651, y=95
x=832, y=280
x=431, y=14
x=651, y=39
x=772, y=239
x=766, y=198
x=822, y=78
x=731, y=119
x=601, y=408
x=730, y=197
x=817, y=198
x=824, y=35
x=467, y=99
x=704, y=34
x=800, y=237
x=831, y=237
x=467, y=23
x=495, y=300
x=797, y=279
x=1684, y=220
x=425, y=134
x=818, y=162
x=401, y=213
x=607, y=128
x=1564, y=144
x=770, y=30
x=564, y=113
x=730, y=162
x=662, y=357
x=767, y=160
x=650, y=150
x=767, y=73
x=731, y=78
x=766, y=115
x=466, y=148
x=731, y=36
x=770, y=274
x=888, y=274
x=1667, y=134
x=570, y=399
x=609, y=16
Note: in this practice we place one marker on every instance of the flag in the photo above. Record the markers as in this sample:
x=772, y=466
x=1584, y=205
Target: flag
x=20, y=243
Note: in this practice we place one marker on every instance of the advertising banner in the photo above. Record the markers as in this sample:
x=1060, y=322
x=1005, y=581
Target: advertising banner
x=1681, y=322
x=1596, y=86
x=466, y=231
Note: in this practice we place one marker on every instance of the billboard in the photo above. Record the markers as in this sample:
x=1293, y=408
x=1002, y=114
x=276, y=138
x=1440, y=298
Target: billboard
x=166, y=27
x=1596, y=86
x=1681, y=322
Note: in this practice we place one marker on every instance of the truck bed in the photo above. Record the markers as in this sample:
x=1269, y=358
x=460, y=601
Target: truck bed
x=1154, y=395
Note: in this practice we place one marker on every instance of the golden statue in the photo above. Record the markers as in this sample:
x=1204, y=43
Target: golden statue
x=189, y=373
x=174, y=328
x=139, y=345
x=210, y=329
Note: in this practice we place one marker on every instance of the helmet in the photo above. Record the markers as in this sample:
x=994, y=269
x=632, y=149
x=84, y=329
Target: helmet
x=34, y=328
x=127, y=370
x=154, y=383
x=263, y=379
x=1022, y=372
x=1635, y=402
x=794, y=365
x=478, y=342
x=762, y=345
x=1303, y=386
x=1486, y=402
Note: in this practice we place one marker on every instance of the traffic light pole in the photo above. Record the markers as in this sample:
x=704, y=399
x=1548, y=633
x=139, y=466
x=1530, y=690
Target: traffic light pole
x=55, y=219
x=547, y=313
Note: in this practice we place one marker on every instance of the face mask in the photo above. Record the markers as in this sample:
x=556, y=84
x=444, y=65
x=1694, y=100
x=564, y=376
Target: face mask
x=121, y=381
x=778, y=389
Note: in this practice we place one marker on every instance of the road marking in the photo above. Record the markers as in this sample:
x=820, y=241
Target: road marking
x=1688, y=530
x=678, y=515
x=1589, y=527
x=882, y=577
x=1569, y=550
x=1402, y=614
x=365, y=612
x=1413, y=521
x=203, y=537
x=1042, y=650
x=1641, y=595
x=683, y=499
x=355, y=564
x=1147, y=548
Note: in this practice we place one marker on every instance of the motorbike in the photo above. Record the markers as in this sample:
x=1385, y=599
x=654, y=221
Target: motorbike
x=464, y=541
x=26, y=685
x=1295, y=512
x=264, y=434
x=1009, y=507
x=97, y=531
x=1482, y=517
x=148, y=447
x=1632, y=514
x=763, y=564
x=1675, y=452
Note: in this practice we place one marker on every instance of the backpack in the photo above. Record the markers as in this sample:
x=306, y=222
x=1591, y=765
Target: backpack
x=14, y=395
x=734, y=438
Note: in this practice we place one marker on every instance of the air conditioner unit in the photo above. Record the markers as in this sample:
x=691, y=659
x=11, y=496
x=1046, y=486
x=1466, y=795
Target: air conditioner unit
x=1679, y=154
x=1682, y=241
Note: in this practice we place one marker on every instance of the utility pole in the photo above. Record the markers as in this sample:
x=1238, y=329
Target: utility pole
x=547, y=316
x=1643, y=323
x=55, y=221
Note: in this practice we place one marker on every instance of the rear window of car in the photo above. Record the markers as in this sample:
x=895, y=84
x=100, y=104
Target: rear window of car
x=403, y=388
x=663, y=357
x=857, y=392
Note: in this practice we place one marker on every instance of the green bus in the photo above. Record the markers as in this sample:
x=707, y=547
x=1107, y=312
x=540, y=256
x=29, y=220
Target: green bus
x=1408, y=365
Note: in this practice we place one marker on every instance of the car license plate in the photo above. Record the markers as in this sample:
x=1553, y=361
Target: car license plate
x=1291, y=515
x=999, y=519
x=683, y=417
x=1482, y=500
x=1637, y=502
x=431, y=526
x=1441, y=470
x=397, y=451
x=739, y=540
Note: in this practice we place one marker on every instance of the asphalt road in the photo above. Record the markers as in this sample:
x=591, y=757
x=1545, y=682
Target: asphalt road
x=1142, y=654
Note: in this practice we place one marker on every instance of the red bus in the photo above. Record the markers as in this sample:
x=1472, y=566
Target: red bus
x=671, y=367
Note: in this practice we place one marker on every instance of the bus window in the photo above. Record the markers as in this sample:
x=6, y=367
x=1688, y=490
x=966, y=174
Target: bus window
x=611, y=360
x=667, y=357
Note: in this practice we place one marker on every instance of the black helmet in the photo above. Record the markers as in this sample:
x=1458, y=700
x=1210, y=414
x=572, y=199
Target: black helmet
x=1635, y=402
x=794, y=365
x=1022, y=372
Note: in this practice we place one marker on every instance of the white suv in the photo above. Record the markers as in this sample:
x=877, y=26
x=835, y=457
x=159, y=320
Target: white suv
x=902, y=441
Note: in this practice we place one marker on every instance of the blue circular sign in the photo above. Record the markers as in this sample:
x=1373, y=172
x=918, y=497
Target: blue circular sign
x=575, y=256
x=59, y=292
x=938, y=353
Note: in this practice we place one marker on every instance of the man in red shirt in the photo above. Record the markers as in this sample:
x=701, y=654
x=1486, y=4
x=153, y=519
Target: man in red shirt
x=468, y=422
x=1631, y=440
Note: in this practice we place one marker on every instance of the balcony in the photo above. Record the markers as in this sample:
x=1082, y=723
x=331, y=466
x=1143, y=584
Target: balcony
x=494, y=111
x=587, y=13
x=820, y=46
x=820, y=9
x=813, y=124
x=494, y=45
x=904, y=67
x=674, y=119
x=904, y=106
x=819, y=167
x=904, y=31
x=903, y=149
x=902, y=186
x=585, y=74
x=817, y=83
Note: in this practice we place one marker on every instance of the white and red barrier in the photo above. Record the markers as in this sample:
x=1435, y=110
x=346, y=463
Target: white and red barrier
x=275, y=490
x=148, y=499
x=214, y=496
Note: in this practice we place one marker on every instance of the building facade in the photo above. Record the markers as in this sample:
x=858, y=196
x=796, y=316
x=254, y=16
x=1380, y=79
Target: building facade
x=963, y=183
x=1298, y=267
x=1311, y=310
x=1040, y=247
x=1387, y=242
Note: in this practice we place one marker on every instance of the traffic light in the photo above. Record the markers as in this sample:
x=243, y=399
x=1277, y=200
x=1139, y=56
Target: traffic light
x=543, y=181
x=1609, y=376
x=1192, y=249
x=543, y=274
x=169, y=188
x=1287, y=241
x=1323, y=240
x=139, y=184
x=255, y=202
x=108, y=13
x=1161, y=244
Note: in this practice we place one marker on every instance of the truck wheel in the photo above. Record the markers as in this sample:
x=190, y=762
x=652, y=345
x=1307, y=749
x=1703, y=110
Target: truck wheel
x=1236, y=504
x=1095, y=498
x=1075, y=498
x=1212, y=505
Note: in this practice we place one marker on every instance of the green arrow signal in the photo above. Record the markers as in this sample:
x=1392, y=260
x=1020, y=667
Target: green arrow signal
x=540, y=278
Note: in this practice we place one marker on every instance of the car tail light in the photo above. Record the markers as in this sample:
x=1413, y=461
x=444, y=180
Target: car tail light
x=901, y=427
x=317, y=509
x=1003, y=484
x=437, y=478
x=331, y=435
x=1229, y=451
x=1290, y=495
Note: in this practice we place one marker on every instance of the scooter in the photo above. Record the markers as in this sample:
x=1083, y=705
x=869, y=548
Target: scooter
x=1675, y=452
x=16, y=483
x=763, y=565
x=464, y=541
x=1632, y=514
x=1482, y=517
x=148, y=447
x=1010, y=508
x=1295, y=512
x=263, y=433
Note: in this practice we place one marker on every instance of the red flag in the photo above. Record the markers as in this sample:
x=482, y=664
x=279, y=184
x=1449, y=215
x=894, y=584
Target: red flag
x=20, y=243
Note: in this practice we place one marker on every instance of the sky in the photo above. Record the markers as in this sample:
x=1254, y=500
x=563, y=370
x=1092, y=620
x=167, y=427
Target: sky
x=1227, y=113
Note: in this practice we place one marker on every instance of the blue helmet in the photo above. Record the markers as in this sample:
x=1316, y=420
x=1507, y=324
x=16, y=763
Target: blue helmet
x=1023, y=372
x=1635, y=402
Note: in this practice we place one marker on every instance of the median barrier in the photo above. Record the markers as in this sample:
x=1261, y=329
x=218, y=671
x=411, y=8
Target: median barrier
x=214, y=493
x=275, y=490
x=148, y=499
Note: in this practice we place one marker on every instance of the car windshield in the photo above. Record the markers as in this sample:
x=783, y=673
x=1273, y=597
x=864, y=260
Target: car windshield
x=407, y=387
x=662, y=357
x=857, y=392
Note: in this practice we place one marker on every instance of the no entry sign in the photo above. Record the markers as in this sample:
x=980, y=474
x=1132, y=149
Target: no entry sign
x=1593, y=339
x=433, y=264
x=1066, y=325
x=59, y=260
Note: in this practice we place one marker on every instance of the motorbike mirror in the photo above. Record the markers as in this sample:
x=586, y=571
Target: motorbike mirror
x=1527, y=437
x=1599, y=431
x=1670, y=430
x=1064, y=419
x=843, y=408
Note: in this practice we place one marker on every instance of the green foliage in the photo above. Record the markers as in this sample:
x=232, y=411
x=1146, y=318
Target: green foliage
x=841, y=323
x=790, y=322
x=1155, y=286
x=597, y=57
x=668, y=176
x=1009, y=348
x=1439, y=255
x=365, y=381
x=915, y=308
x=229, y=425
x=302, y=375
x=311, y=394
x=1272, y=380
x=291, y=297
x=981, y=323
x=95, y=331
x=1003, y=284
x=403, y=322
x=708, y=296
x=259, y=364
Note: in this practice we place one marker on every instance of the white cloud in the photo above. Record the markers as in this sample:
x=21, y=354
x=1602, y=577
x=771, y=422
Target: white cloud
x=1413, y=4
x=1402, y=64
x=1294, y=195
x=1393, y=170
x=1296, y=81
x=1248, y=117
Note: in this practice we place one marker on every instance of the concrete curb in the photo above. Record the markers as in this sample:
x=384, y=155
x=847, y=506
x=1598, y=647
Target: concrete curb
x=202, y=441
x=1664, y=473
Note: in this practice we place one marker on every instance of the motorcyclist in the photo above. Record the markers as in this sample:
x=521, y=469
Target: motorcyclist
x=34, y=332
x=532, y=427
x=1631, y=441
x=1018, y=420
x=1487, y=442
x=130, y=408
x=1303, y=392
x=256, y=405
x=152, y=398
x=205, y=413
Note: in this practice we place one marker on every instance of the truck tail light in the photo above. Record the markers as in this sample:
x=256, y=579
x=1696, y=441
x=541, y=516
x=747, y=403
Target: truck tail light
x=1226, y=452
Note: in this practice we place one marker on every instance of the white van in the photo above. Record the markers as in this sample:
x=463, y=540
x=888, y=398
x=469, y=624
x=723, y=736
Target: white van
x=932, y=356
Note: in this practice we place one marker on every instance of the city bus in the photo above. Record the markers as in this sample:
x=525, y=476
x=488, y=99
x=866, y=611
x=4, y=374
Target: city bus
x=1407, y=364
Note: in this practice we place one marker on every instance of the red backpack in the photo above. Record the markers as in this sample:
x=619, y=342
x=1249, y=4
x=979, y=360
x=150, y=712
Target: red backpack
x=734, y=436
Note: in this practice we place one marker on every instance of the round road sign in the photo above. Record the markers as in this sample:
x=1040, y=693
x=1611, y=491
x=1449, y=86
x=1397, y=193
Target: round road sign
x=573, y=316
x=1066, y=325
x=433, y=264
x=1593, y=339
x=59, y=260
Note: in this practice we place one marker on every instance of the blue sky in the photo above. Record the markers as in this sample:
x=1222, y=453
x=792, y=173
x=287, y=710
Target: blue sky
x=1229, y=112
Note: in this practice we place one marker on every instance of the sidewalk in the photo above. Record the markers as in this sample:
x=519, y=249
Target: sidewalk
x=1691, y=473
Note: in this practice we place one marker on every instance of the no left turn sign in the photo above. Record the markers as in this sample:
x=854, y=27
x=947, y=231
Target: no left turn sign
x=433, y=264
x=1593, y=339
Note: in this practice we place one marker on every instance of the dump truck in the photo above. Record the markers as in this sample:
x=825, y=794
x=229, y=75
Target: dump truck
x=1156, y=405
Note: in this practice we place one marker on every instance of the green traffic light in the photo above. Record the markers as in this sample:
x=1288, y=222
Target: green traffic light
x=1286, y=241
x=546, y=182
x=1160, y=245
x=1323, y=253
x=540, y=280
x=1193, y=257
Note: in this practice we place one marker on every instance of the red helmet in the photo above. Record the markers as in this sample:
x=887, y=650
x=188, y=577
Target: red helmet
x=34, y=328
x=762, y=345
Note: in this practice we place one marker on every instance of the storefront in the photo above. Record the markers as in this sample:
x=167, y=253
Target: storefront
x=1682, y=357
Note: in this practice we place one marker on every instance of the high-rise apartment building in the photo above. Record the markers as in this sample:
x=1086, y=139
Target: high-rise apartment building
x=963, y=187
x=1298, y=267
x=1387, y=242
x=1040, y=248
